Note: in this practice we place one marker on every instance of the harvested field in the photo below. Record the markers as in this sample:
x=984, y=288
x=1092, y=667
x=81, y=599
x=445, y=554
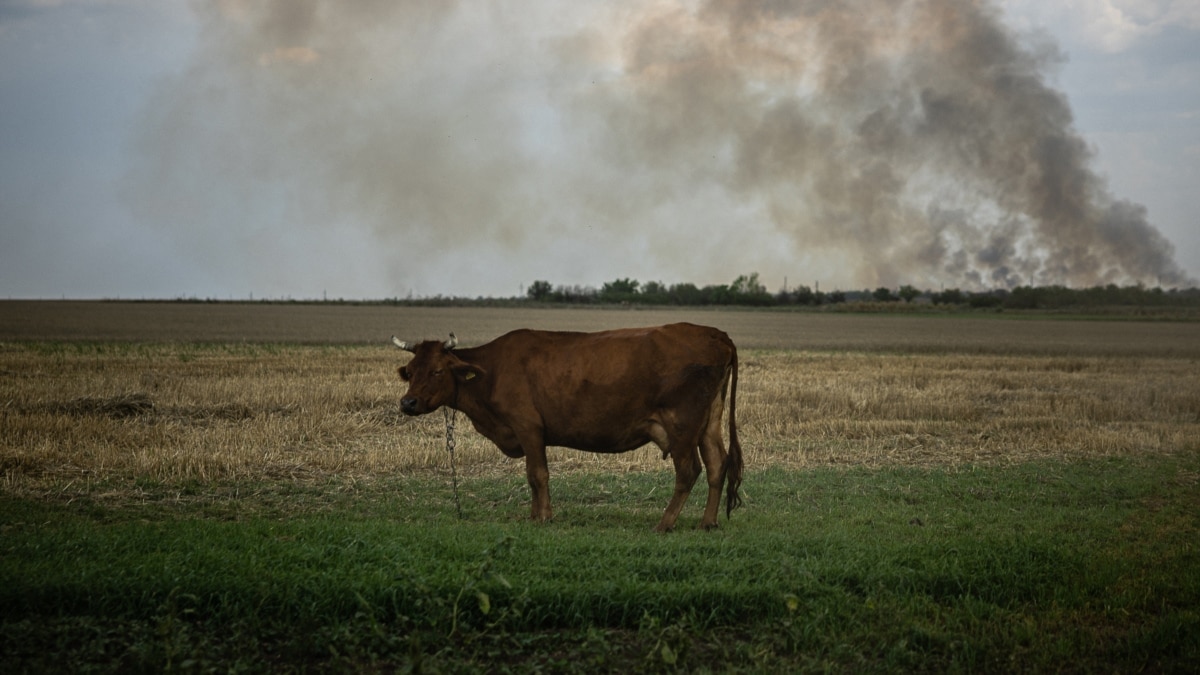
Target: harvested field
x=187, y=412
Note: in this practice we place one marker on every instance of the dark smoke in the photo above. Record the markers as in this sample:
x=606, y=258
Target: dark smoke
x=883, y=141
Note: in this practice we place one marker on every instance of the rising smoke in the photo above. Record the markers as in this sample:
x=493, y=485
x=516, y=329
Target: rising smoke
x=884, y=141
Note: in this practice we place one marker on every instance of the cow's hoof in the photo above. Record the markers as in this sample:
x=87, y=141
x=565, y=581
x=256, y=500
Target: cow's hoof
x=707, y=527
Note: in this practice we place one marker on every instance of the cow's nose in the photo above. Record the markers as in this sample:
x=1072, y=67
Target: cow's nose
x=408, y=406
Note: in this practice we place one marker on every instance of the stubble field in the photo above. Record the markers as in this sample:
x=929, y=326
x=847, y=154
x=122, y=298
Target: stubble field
x=141, y=401
x=268, y=414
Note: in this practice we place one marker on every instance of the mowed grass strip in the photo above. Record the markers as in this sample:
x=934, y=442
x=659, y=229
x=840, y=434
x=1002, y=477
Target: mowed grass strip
x=1088, y=565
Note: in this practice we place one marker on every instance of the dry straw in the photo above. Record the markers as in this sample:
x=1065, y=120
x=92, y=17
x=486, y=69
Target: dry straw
x=179, y=413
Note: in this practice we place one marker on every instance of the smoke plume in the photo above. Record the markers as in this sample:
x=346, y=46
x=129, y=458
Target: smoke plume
x=867, y=142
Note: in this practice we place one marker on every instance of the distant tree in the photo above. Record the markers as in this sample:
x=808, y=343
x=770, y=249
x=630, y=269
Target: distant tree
x=908, y=293
x=579, y=295
x=719, y=294
x=1024, y=297
x=747, y=285
x=624, y=286
x=837, y=297
x=685, y=294
x=985, y=300
x=803, y=295
x=619, y=290
x=748, y=290
x=654, y=293
x=949, y=297
x=883, y=294
x=540, y=291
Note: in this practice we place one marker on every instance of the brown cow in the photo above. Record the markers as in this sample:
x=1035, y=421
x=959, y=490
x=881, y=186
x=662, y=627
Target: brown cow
x=612, y=391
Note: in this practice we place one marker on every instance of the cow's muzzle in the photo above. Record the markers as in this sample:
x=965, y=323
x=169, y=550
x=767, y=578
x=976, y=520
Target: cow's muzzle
x=409, y=406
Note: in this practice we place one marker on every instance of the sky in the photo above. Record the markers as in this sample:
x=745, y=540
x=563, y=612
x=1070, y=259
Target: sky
x=235, y=149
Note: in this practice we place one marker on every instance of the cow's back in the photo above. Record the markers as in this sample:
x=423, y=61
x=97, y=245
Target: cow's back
x=600, y=391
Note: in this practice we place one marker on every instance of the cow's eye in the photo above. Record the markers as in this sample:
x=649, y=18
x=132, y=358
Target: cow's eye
x=438, y=372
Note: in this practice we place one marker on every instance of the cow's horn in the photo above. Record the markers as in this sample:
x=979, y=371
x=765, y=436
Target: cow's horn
x=401, y=344
x=452, y=342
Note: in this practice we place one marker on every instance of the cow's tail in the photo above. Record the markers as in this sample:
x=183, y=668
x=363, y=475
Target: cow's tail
x=733, y=461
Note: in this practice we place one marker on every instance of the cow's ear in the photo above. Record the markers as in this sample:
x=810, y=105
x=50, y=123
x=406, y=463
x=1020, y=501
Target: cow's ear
x=467, y=372
x=403, y=370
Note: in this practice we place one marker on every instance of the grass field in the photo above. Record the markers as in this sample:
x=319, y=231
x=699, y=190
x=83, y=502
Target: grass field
x=933, y=494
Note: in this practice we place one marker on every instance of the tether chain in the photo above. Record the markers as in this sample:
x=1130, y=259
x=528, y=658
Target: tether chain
x=448, y=413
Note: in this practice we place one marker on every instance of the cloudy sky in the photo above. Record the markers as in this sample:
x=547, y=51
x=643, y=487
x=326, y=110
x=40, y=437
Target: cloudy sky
x=380, y=148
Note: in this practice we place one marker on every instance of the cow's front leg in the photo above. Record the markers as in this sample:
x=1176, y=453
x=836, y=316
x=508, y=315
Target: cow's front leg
x=538, y=473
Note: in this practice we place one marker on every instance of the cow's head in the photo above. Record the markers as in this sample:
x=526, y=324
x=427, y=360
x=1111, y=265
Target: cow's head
x=433, y=375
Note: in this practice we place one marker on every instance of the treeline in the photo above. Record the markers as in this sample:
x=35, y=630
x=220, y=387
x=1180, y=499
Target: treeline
x=745, y=290
x=748, y=290
x=1061, y=297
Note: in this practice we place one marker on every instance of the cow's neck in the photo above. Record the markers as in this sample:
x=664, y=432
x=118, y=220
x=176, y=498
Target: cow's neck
x=466, y=403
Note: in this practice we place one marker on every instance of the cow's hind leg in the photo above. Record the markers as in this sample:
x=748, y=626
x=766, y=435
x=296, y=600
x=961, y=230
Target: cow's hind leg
x=687, y=470
x=712, y=450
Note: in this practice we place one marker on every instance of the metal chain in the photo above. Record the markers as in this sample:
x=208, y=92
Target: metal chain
x=449, y=414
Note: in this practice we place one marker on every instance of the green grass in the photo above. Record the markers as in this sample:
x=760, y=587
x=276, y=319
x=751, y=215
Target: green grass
x=1047, y=566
